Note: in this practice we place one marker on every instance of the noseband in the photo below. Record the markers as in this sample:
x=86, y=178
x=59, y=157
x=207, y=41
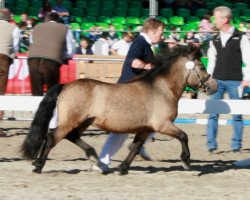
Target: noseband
x=201, y=84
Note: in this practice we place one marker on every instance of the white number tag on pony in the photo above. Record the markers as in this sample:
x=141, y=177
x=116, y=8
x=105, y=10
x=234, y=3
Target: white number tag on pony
x=189, y=65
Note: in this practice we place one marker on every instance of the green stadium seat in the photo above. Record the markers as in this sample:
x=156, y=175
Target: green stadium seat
x=133, y=20
x=75, y=26
x=36, y=3
x=75, y=11
x=227, y=4
x=118, y=27
x=211, y=5
x=105, y=19
x=33, y=11
x=122, y=4
x=246, y=13
x=67, y=4
x=163, y=19
x=17, y=18
x=134, y=12
x=108, y=4
x=105, y=11
x=122, y=11
x=235, y=12
x=93, y=11
x=78, y=19
x=135, y=4
x=103, y=25
x=201, y=12
x=81, y=4
x=166, y=12
x=240, y=6
x=176, y=20
x=121, y=20
x=89, y=18
x=183, y=12
x=193, y=19
x=219, y=2
x=86, y=25
x=145, y=12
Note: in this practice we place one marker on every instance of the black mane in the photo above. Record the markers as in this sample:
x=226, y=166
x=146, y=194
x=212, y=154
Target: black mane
x=167, y=57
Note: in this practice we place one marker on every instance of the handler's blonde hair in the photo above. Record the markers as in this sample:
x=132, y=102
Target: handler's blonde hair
x=152, y=24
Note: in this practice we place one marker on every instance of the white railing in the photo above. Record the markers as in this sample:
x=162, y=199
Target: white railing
x=186, y=106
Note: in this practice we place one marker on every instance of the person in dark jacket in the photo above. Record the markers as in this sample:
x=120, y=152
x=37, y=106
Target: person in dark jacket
x=84, y=48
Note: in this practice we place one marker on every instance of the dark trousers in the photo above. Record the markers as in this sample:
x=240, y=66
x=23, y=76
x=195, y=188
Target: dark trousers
x=5, y=63
x=43, y=71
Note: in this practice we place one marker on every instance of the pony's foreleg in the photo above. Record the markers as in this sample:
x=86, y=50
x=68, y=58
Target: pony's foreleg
x=41, y=160
x=134, y=150
x=171, y=130
x=91, y=154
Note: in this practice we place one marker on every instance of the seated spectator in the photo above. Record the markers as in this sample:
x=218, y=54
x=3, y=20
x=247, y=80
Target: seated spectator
x=122, y=46
x=62, y=11
x=171, y=43
x=84, y=48
x=101, y=46
x=46, y=8
x=206, y=27
x=242, y=27
x=24, y=17
x=190, y=38
x=113, y=37
x=175, y=34
x=94, y=33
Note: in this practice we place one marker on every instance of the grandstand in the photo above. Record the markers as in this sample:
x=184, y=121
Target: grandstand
x=125, y=14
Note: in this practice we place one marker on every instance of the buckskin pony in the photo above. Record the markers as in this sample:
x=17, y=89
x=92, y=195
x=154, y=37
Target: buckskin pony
x=141, y=106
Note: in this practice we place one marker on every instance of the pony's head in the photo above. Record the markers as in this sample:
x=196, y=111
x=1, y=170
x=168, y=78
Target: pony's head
x=197, y=75
x=187, y=61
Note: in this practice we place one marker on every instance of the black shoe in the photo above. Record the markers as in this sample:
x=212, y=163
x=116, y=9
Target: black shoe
x=212, y=150
x=236, y=150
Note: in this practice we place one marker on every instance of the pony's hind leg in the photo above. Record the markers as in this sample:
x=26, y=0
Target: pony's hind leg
x=134, y=150
x=46, y=147
x=74, y=137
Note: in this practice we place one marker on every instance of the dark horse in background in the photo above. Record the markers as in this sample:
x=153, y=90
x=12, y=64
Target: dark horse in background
x=147, y=104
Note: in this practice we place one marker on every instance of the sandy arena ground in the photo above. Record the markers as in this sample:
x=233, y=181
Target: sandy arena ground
x=66, y=175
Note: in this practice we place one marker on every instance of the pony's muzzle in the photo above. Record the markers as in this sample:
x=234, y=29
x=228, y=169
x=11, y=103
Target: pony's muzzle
x=211, y=86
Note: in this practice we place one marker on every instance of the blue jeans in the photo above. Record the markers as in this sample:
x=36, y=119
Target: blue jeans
x=212, y=127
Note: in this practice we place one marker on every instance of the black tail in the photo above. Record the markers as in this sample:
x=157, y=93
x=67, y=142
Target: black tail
x=39, y=126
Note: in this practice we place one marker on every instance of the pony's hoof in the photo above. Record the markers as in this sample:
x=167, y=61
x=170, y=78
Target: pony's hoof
x=37, y=171
x=123, y=171
x=185, y=165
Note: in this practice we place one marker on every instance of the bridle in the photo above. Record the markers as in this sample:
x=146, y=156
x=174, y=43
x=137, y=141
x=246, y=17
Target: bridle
x=201, y=84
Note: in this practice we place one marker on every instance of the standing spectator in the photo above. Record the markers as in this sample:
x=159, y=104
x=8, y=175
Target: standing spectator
x=24, y=37
x=62, y=11
x=101, y=46
x=84, y=48
x=228, y=50
x=9, y=43
x=138, y=60
x=49, y=42
x=46, y=8
x=122, y=46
